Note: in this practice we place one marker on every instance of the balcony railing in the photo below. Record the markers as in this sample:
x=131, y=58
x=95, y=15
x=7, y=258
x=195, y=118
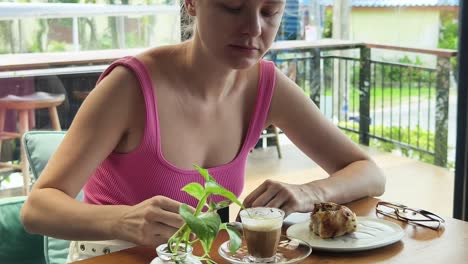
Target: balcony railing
x=377, y=102
x=392, y=103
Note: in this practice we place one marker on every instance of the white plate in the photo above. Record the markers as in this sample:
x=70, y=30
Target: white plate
x=371, y=233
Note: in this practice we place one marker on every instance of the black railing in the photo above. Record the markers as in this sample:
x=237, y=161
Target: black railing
x=389, y=104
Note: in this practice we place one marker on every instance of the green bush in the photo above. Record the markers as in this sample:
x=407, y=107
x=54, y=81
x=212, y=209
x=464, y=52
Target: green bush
x=132, y=40
x=56, y=46
x=105, y=41
x=414, y=137
x=448, y=36
x=328, y=24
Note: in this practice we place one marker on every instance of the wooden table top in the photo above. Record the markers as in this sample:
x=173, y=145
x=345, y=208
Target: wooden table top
x=419, y=245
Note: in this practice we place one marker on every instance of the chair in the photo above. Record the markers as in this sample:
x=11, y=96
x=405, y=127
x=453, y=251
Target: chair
x=80, y=95
x=16, y=245
x=23, y=105
x=272, y=132
x=21, y=247
x=39, y=147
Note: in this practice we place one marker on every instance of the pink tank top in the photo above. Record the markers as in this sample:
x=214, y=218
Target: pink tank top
x=133, y=177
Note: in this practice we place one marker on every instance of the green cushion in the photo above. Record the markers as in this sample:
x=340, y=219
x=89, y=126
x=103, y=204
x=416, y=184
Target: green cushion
x=40, y=145
x=56, y=250
x=16, y=245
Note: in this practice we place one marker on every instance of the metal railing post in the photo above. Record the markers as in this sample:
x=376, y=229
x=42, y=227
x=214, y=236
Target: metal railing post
x=442, y=111
x=364, y=95
x=315, y=75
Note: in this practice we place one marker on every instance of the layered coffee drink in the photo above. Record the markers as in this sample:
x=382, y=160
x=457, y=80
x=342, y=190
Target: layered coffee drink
x=262, y=231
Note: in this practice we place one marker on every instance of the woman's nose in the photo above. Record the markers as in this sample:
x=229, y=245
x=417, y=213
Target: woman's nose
x=252, y=25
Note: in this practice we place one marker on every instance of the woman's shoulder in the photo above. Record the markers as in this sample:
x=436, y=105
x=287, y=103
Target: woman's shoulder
x=159, y=57
x=153, y=60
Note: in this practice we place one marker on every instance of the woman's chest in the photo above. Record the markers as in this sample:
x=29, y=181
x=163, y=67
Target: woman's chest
x=208, y=135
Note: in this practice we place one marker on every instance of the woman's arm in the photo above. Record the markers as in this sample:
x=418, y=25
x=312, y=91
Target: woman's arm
x=353, y=174
x=102, y=121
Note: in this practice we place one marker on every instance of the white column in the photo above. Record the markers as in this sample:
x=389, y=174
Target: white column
x=76, y=35
x=341, y=26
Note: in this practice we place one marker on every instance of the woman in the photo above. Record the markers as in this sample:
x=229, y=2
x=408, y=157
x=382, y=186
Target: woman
x=205, y=102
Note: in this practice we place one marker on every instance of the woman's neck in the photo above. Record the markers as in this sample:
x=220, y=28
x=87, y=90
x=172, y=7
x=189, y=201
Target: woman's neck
x=210, y=79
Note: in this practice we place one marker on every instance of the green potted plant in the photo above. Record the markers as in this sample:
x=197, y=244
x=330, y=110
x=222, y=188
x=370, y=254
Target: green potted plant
x=201, y=226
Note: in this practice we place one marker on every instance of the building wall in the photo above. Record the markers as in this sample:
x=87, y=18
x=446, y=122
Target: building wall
x=409, y=27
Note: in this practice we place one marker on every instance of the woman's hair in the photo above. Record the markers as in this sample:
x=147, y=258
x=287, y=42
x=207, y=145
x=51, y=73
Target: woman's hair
x=188, y=23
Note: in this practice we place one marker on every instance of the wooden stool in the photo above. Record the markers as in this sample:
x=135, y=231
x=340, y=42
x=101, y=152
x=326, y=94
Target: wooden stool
x=275, y=134
x=80, y=95
x=23, y=105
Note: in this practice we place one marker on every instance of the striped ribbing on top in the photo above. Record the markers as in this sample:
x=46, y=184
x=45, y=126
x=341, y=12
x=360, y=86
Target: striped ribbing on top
x=133, y=177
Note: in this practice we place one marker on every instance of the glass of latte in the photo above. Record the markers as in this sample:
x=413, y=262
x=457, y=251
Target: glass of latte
x=262, y=231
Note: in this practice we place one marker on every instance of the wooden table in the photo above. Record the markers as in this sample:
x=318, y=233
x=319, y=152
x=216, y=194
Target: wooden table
x=419, y=245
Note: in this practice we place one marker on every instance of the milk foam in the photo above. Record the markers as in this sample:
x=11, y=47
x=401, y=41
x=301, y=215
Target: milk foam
x=262, y=225
x=262, y=218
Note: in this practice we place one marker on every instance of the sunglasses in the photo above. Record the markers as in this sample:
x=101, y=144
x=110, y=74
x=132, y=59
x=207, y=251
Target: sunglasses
x=409, y=215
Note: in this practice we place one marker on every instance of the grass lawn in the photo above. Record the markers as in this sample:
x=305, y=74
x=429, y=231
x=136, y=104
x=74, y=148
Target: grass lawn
x=387, y=97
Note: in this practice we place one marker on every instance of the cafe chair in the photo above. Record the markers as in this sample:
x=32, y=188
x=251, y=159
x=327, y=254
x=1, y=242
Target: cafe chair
x=272, y=132
x=39, y=147
x=23, y=106
x=16, y=245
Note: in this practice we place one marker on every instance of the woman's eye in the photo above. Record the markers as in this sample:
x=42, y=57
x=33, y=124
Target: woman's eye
x=269, y=13
x=233, y=10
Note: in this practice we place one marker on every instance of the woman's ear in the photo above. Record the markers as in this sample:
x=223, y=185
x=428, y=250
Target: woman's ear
x=190, y=7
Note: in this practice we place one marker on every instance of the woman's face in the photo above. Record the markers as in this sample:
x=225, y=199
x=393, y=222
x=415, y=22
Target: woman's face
x=238, y=32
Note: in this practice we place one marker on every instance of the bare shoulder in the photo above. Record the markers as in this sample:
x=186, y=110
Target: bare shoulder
x=160, y=58
x=117, y=95
x=286, y=97
x=118, y=86
x=283, y=82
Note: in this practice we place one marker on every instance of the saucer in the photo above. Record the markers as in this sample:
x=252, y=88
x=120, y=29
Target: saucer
x=290, y=250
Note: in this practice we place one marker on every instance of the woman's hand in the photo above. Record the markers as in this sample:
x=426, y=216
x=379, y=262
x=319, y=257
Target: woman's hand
x=149, y=223
x=288, y=197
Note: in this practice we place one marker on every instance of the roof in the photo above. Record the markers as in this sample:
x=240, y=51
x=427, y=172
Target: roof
x=393, y=3
x=61, y=10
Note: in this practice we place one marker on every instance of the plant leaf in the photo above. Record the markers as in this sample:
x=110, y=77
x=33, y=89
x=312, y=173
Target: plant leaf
x=211, y=220
x=222, y=204
x=194, y=223
x=194, y=189
x=204, y=172
x=214, y=188
x=205, y=226
x=212, y=206
x=235, y=240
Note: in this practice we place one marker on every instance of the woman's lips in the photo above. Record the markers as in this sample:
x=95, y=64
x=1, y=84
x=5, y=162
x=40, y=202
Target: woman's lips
x=247, y=50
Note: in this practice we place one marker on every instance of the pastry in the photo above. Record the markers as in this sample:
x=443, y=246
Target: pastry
x=330, y=220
